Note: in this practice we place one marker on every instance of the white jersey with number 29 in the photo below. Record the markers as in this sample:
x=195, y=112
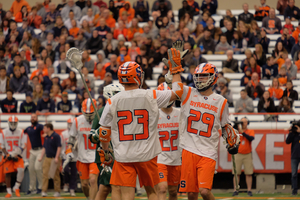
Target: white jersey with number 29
x=201, y=118
x=133, y=116
x=168, y=130
x=81, y=129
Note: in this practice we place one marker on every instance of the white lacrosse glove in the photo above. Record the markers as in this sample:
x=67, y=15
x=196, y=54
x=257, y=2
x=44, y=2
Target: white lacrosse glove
x=178, y=45
x=169, y=79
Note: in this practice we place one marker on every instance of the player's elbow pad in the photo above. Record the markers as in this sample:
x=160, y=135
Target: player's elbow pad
x=177, y=88
x=104, y=134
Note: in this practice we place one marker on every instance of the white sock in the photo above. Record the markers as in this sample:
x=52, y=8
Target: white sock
x=17, y=185
x=8, y=190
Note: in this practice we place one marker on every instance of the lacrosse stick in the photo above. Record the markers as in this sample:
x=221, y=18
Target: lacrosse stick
x=75, y=57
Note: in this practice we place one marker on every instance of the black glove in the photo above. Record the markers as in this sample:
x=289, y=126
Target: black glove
x=233, y=150
x=8, y=157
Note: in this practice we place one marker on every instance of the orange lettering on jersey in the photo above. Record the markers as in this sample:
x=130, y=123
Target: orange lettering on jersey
x=84, y=129
x=204, y=105
x=12, y=137
x=168, y=125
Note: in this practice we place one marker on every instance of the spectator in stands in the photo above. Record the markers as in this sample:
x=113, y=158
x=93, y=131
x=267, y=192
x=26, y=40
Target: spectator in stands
x=51, y=148
x=195, y=7
x=28, y=106
x=292, y=11
x=259, y=55
x=230, y=65
x=107, y=80
x=88, y=62
x=206, y=43
x=80, y=42
x=67, y=8
x=45, y=104
x=49, y=39
x=99, y=3
x=285, y=106
x=37, y=92
x=94, y=44
x=167, y=41
x=103, y=29
x=230, y=17
x=288, y=25
x=186, y=8
x=62, y=65
x=269, y=70
x=22, y=14
x=266, y=103
x=209, y=5
x=162, y=53
x=130, y=11
x=133, y=29
x=85, y=74
x=80, y=4
x=142, y=13
x=113, y=66
x=291, y=69
x=41, y=69
x=70, y=83
x=296, y=48
x=281, y=6
x=34, y=20
x=89, y=17
x=17, y=62
x=296, y=33
x=287, y=40
x=94, y=8
x=18, y=82
x=190, y=23
x=223, y=90
x=59, y=26
x=55, y=93
x=290, y=92
x=65, y=106
x=297, y=60
x=223, y=45
x=197, y=58
x=124, y=56
x=254, y=66
x=17, y=6
x=246, y=16
x=4, y=79
x=275, y=91
x=248, y=36
x=247, y=77
x=198, y=33
x=121, y=30
x=68, y=22
x=9, y=104
x=261, y=11
x=244, y=156
x=2, y=12
x=255, y=88
x=264, y=41
x=283, y=76
x=271, y=23
x=239, y=44
x=111, y=40
x=186, y=37
x=230, y=31
x=156, y=4
x=50, y=16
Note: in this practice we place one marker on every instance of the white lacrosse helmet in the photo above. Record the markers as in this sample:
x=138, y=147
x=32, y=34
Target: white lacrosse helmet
x=112, y=89
x=164, y=86
x=69, y=121
x=88, y=110
x=13, y=122
x=205, y=76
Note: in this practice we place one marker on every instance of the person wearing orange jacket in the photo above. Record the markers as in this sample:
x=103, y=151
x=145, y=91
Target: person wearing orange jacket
x=123, y=57
x=130, y=11
x=17, y=6
x=296, y=33
x=34, y=19
x=244, y=155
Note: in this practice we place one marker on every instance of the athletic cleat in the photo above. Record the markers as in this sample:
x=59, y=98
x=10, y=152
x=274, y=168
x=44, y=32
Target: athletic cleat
x=72, y=193
x=17, y=191
x=250, y=193
x=44, y=194
x=56, y=194
x=8, y=195
x=66, y=188
x=235, y=193
x=38, y=191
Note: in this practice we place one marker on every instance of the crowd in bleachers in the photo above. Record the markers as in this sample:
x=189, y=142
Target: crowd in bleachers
x=259, y=46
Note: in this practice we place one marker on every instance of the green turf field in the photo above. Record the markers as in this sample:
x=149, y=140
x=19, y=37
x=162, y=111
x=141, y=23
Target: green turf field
x=224, y=196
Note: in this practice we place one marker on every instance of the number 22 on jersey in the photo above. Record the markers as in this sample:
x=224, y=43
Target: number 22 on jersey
x=207, y=119
x=165, y=136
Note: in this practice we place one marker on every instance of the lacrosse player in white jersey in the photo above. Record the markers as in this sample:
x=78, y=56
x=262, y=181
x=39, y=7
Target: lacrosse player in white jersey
x=69, y=165
x=130, y=120
x=80, y=130
x=203, y=113
x=13, y=143
x=169, y=160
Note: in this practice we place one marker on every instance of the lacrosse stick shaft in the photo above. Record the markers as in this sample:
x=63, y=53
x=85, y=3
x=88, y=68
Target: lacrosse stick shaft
x=90, y=96
x=235, y=175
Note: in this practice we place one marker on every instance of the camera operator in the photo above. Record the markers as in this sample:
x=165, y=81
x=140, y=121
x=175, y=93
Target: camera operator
x=244, y=155
x=294, y=138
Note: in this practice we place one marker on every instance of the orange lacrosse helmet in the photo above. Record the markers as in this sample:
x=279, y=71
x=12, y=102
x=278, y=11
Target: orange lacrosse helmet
x=205, y=76
x=162, y=87
x=69, y=121
x=88, y=109
x=130, y=72
x=13, y=122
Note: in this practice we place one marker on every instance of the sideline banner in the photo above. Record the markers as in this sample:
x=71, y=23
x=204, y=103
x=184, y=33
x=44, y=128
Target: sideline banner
x=270, y=153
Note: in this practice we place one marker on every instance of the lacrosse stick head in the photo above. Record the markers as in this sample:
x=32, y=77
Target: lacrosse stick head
x=75, y=57
x=232, y=135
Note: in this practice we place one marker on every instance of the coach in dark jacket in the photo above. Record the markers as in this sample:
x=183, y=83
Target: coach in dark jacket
x=294, y=138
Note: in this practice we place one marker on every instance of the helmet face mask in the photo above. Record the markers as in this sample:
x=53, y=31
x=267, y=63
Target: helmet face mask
x=88, y=109
x=205, y=76
x=112, y=89
x=89, y=116
x=13, y=125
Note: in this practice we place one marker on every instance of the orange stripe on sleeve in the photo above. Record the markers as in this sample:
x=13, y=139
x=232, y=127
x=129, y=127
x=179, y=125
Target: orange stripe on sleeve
x=187, y=96
x=109, y=101
x=222, y=109
x=154, y=94
x=76, y=123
